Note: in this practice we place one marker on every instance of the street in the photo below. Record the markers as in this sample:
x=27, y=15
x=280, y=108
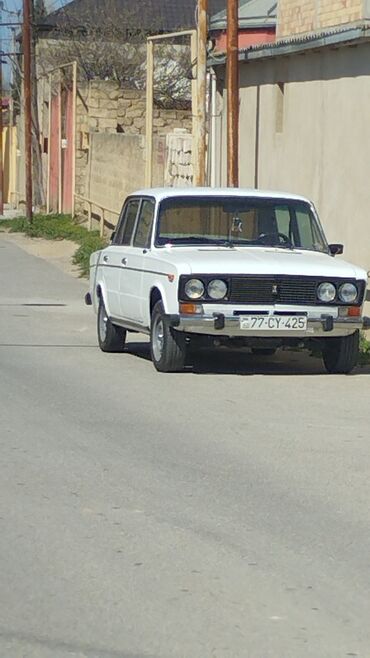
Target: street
x=218, y=513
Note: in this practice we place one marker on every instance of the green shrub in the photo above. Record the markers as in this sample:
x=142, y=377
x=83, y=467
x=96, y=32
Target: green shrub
x=364, y=351
x=60, y=227
x=82, y=256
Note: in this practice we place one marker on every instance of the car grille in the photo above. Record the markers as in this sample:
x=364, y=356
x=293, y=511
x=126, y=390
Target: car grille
x=273, y=290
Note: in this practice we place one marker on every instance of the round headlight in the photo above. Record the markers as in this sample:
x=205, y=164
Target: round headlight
x=326, y=292
x=217, y=289
x=348, y=293
x=194, y=289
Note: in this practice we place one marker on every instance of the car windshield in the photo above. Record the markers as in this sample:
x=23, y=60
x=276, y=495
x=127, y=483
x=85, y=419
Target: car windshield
x=237, y=221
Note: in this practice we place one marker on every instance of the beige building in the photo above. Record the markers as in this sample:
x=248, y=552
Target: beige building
x=304, y=115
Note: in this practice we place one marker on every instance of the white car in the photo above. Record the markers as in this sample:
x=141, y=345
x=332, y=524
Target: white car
x=226, y=266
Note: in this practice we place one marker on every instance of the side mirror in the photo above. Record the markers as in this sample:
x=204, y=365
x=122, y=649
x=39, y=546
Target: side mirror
x=336, y=249
x=113, y=236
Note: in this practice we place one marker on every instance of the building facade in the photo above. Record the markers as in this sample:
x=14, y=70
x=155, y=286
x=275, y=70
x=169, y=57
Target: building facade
x=304, y=124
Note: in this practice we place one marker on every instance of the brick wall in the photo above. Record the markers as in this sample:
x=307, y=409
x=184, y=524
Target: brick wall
x=304, y=16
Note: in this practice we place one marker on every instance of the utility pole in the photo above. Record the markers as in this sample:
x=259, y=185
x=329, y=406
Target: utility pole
x=232, y=76
x=201, y=144
x=27, y=93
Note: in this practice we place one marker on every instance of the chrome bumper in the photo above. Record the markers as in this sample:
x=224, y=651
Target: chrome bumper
x=223, y=325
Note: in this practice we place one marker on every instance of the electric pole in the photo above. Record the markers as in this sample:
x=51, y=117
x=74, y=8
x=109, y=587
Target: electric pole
x=232, y=76
x=201, y=141
x=27, y=94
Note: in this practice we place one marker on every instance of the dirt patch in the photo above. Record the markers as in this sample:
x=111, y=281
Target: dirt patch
x=57, y=252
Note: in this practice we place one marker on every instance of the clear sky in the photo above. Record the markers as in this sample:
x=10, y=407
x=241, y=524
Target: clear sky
x=8, y=15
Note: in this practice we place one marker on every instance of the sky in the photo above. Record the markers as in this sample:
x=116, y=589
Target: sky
x=8, y=15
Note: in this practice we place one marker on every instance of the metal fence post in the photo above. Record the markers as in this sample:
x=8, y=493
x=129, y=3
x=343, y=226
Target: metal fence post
x=102, y=221
x=89, y=216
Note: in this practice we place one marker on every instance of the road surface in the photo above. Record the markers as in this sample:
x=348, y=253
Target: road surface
x=223, y=512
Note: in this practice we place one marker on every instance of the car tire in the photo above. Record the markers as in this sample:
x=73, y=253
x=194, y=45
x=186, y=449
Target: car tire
x=263, y=351
x=340, y=355
x=167, y=346
x=110, y=337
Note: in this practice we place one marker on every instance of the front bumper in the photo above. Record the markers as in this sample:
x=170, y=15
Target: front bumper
x=223, y=325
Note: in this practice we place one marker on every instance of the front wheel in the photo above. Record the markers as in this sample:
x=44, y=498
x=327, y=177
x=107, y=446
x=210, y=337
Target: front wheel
x=110, y=337
x=340, y=355
x=167, y=346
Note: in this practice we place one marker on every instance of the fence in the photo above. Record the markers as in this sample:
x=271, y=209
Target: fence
x=101, y=215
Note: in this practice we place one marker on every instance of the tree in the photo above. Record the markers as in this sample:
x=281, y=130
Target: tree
x=110, y=44
x=39, y=11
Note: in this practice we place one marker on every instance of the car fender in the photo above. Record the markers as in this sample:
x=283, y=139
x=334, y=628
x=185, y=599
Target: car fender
x=168, y=292
x=100, y=292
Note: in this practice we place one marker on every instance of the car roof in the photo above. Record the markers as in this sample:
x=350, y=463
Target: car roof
x=160, y=193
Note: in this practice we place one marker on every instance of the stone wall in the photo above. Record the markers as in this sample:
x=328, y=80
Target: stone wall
x=297, y=17
x=104, y=107
x=109, y=108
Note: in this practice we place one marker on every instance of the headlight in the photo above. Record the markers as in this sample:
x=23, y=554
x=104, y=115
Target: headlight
x=326, y=292
x=217, y=289
x=348, y=293
x=194, y=289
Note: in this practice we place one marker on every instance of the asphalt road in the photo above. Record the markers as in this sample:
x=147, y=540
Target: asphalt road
x=223, y=512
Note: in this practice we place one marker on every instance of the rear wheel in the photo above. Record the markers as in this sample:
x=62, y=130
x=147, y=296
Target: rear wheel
x=167, y=346
x=110, y=337
x=340, y=355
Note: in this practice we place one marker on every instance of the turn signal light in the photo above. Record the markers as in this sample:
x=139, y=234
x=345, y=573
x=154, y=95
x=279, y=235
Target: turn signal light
x=354, y=311
x=191, y=309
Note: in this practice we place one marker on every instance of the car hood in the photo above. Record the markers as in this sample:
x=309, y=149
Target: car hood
x=260, y=260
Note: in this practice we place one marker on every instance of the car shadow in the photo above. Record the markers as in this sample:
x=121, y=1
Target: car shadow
x=223, y=361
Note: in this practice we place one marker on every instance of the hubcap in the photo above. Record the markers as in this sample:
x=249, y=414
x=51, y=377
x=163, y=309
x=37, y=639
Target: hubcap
x=158, y=339
x=103, y=319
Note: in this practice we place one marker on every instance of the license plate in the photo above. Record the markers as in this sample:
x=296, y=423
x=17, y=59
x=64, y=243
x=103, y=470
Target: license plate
x=273, y=322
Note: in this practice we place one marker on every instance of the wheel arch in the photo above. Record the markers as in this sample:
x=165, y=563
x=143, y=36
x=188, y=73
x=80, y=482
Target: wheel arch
x=157, y=294
x=100, y=293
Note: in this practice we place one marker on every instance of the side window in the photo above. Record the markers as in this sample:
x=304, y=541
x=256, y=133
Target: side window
x=305, y=228
x=144, y=225
x=283, y=220
x=120, y=225
x=129, y=222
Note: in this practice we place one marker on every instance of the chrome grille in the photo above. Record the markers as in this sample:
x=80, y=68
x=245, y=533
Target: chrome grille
x=273, y=290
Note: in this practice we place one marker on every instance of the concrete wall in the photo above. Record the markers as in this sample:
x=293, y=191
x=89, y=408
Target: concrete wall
x=116, y=168
x=297, y=16
x=313, y=137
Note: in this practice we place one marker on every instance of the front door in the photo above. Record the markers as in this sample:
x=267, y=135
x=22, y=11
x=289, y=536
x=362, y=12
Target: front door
x=114, y=255
x=131, y=275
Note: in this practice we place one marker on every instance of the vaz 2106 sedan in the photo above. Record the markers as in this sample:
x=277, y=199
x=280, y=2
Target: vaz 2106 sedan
x=230, y=266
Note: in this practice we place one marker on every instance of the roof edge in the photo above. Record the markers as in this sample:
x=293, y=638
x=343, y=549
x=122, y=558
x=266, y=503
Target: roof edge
x=349, y=34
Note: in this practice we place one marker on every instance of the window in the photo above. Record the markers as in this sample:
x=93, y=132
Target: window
x=128, y=223
x=145, y=223
x=120, y=225
x=243, y=221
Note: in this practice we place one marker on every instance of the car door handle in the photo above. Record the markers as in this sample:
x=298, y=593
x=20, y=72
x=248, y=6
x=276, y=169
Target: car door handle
x=105, y=259
x=124, y=261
